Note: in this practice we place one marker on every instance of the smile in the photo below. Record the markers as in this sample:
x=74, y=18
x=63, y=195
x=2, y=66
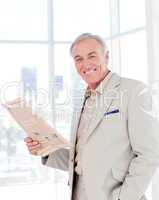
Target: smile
x=90, y=71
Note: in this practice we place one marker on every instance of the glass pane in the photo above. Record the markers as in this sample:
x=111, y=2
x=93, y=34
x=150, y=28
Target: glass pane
x=23, y=20
x=63, y=80
x=26, y=67
x=134, y=56
x=132, y=14
x=76, y=17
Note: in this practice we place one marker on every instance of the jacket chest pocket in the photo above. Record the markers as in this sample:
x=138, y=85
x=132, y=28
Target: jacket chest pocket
x=111, y=122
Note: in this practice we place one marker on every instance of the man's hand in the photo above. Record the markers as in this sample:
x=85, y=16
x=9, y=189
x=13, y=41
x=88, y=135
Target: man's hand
x=33, y=145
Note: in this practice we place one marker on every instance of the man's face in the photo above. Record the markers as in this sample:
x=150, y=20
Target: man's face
x=90, y=61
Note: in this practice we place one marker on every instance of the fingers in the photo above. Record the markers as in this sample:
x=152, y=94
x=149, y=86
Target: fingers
x=32, y=145
x=28, y=139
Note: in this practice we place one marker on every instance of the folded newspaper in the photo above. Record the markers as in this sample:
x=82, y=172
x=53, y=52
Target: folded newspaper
x=36, y=127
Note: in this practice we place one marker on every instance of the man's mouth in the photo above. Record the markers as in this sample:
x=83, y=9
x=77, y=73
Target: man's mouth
x=90, y=71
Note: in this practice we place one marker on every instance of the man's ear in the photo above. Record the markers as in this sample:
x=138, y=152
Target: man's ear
x=106, y=55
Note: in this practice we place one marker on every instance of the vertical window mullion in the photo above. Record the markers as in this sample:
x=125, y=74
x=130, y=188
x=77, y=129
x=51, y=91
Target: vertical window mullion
x=150, y=41
x=51, y=56
x=114, y=31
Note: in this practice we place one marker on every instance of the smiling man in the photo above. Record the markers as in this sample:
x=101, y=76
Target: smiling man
x=115, y=138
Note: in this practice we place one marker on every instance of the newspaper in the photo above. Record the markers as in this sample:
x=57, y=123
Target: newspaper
x=36, y=127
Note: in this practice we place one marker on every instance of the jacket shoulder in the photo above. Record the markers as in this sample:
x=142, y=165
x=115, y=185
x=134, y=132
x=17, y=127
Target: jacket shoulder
x=131, y=84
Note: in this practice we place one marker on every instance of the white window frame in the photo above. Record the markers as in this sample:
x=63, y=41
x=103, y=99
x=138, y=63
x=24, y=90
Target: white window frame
x=152, y=30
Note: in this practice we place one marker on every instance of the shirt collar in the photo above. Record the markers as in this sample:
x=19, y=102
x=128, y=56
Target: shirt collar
x=100, y=87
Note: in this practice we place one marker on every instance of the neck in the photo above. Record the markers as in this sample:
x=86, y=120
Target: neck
x=93, y=86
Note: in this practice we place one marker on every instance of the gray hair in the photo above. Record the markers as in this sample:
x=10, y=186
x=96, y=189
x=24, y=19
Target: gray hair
x=85, y=36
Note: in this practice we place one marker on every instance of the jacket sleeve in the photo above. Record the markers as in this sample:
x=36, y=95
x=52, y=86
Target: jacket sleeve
x=58, y=159
x=143, y=129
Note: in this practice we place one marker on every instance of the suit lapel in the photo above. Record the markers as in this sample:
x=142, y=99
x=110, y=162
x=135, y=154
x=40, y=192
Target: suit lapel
x=104, y=103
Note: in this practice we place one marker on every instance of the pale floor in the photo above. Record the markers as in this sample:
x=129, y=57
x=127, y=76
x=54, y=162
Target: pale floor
x=48, y=191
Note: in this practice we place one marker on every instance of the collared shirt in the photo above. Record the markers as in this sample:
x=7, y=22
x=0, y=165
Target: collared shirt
x=86, y=115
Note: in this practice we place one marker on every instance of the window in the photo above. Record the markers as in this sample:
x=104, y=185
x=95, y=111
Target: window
x=24, y=68
x=133, y=28
x=35, y=37
x=128, y=30
x=76, y=17
x=23, y=20
x=133, y=63
x=132, y=14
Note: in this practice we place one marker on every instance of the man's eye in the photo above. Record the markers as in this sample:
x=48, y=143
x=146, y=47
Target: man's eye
x=78, y=60
x=91, y=56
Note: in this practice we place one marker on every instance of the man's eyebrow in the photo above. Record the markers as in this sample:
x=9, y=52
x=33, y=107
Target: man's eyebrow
x=77, y=56
x=92, y=52
x=89, y=54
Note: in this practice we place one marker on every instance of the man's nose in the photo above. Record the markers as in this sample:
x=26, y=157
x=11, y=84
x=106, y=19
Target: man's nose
x=86, y=64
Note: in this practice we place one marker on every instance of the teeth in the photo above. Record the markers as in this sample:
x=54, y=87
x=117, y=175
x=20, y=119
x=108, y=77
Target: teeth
x=90, y=71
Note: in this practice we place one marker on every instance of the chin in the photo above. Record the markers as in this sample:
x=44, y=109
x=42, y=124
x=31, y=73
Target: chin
x=92, y=82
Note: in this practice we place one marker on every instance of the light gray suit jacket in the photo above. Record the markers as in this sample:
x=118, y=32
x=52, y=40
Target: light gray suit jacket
x=121, y=152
